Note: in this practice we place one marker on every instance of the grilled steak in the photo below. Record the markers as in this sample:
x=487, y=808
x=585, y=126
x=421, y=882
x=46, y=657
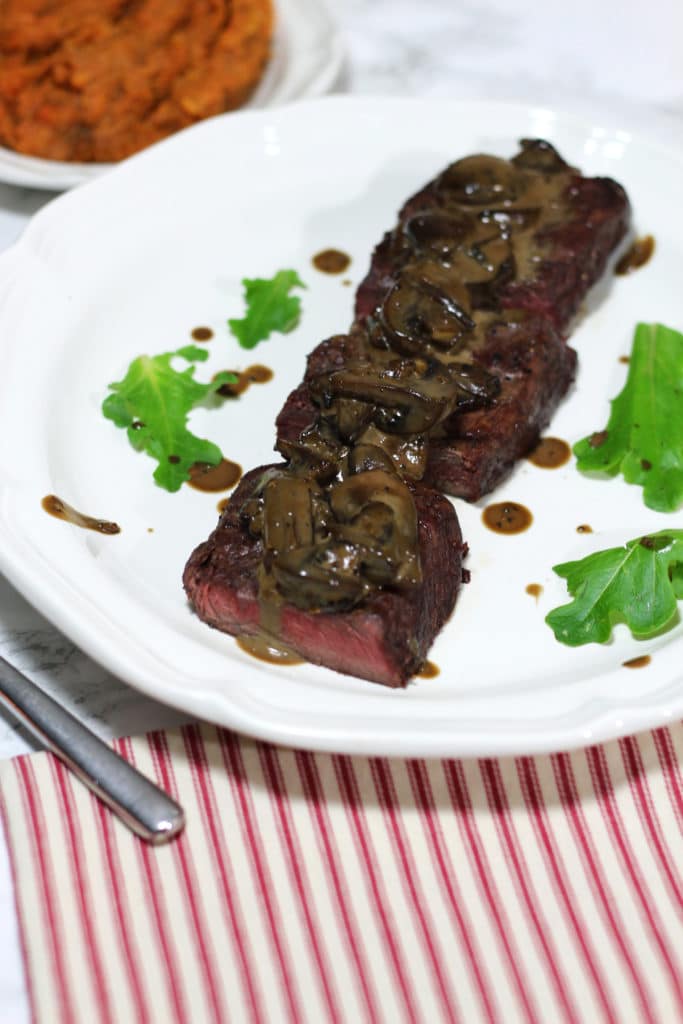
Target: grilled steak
x=455, y=362
x=551, y=256
x=386, y=639
x=479, y=448
x=574, y=227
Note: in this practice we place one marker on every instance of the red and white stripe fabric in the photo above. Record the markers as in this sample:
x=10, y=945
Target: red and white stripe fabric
x=311, y=887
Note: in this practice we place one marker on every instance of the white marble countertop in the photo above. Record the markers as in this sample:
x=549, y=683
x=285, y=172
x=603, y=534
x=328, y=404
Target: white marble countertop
x=615, y=56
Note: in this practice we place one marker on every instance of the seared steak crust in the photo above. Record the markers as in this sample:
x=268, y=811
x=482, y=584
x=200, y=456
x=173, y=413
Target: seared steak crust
x=575, y=252
x=386, y=640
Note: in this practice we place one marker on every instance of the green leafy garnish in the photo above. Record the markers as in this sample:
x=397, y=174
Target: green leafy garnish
x=638, y=584
x=644, y=436
x=270, y=307
x=153, y=402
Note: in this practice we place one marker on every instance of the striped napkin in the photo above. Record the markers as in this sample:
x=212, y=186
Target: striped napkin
x=311, y=887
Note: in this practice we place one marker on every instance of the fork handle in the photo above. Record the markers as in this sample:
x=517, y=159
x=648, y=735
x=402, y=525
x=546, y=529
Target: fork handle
x=141, y=805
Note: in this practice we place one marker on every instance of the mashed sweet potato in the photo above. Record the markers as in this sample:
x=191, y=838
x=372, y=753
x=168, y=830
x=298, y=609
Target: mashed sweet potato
x=97, y=80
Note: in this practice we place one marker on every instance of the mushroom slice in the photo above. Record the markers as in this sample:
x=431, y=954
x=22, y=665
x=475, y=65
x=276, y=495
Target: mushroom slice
x=438, y=233
x=477, y=387
x=427, y=306
x=400, y=398
x=539, y=155
x=316, y=452
x=354, y=502
x=323, y=576
x=483, y=262
x=407, y=455
x=481, y=181
x=367, y=456
x=287, y=513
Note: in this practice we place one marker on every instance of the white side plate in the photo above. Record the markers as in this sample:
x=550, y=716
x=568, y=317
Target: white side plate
x=132, y=262
x=306, y=60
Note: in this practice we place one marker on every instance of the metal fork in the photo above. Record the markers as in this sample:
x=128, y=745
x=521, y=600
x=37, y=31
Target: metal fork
x=141, y=805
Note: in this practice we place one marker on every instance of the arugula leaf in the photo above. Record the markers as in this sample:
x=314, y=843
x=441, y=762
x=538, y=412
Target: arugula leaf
x=638, y=584
x=153, y=402
x=270, y=307
x=644, y=436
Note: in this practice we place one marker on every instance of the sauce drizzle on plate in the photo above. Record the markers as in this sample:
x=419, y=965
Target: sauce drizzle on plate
x=54, y=506
x=637, y=256
x=550, y=453
x=256, y=374
x=205, y=477
x=640, y=662
x=331, y=261
x=507, y=517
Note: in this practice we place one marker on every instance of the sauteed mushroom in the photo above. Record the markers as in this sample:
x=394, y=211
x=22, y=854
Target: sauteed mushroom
x=325, y=575
x=405, y=396
x=329, y=548
x=480, y=181
x=426, y=306
x=539, y=155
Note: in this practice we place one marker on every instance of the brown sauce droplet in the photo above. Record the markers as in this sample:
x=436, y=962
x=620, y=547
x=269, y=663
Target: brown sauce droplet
x=255, y=374
x=507, y=517
x=624, y=359
x=534, y=590
x=637, y=256
x=550, y=453
x=60, y=510
x=428, y=670
x=640, y=662
x=202, y=334
x=265, y=649
x=584, y=528
x=331, y=261
x=347, y=282
x=223, y=504
x=598, y=438
x=205, y=477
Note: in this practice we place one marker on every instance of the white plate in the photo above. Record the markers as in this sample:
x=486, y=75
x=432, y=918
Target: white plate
x=306, y=60
x=132, y=262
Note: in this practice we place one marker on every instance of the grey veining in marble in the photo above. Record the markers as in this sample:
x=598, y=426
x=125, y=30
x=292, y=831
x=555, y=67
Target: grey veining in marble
x=611, y=56
x=86, y=689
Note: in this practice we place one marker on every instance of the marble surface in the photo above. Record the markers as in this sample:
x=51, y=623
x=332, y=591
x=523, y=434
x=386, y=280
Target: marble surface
x=615, y=58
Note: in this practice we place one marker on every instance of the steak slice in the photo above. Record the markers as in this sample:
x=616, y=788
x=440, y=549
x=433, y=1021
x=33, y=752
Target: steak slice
x=385, y=640
x=521, y=316
x=535, y=368
x=574, y=243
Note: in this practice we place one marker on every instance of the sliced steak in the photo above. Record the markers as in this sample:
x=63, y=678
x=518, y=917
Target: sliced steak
x=535, y=369
x=385, y=640
x=455, y=362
